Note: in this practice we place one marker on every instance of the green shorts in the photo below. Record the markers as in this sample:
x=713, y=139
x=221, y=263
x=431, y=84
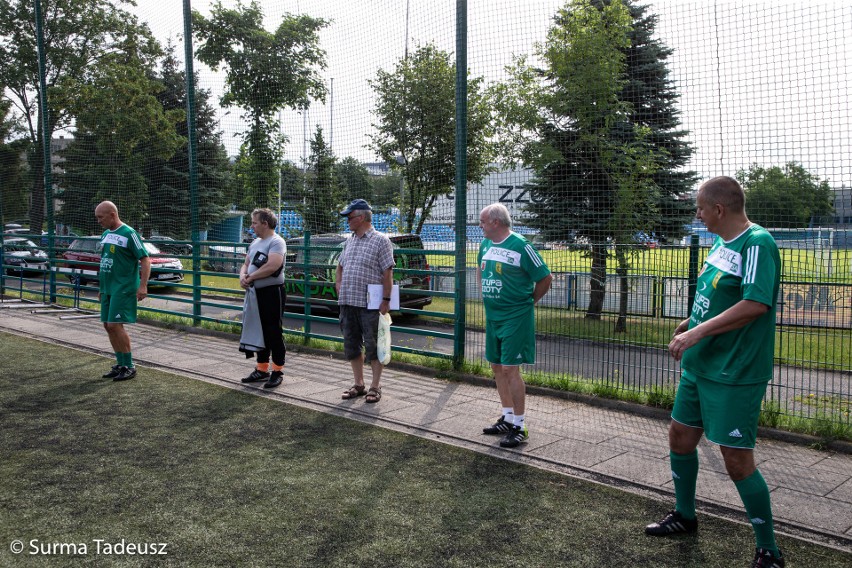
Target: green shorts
x=728, y=413
x=118, y=308
x=511, y=342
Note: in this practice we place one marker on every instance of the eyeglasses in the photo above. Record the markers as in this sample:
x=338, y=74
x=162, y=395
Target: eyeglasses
x=353, y=217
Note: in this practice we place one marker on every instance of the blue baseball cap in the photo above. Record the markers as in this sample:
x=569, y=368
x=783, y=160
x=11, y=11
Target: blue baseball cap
x=356, y=205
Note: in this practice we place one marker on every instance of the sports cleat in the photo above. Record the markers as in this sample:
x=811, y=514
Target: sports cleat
x=515, y=437
x=256, y=376
x=499, y=427
x=274, y=380
x=673, y=523
x=765, y=559
x=113, y=373
x=125, y=374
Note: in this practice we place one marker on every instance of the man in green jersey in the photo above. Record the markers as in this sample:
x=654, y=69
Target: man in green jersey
x=726, y=349
x=513, y=277
x=124, y=272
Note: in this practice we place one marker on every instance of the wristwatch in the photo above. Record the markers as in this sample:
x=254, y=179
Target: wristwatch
x=386, y=299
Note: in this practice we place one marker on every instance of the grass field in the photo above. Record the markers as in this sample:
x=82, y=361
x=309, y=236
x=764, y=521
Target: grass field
x=230, y=479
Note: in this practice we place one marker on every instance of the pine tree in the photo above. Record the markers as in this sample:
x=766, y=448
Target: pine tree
x=168, y=180
x=609, y=166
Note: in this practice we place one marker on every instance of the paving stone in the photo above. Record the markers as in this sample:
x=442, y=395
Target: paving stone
x=842, y=493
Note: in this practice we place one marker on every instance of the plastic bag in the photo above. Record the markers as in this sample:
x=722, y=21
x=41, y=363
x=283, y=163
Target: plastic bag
x=383, y=342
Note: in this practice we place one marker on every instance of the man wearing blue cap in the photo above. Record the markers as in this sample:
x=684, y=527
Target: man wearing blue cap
x=367, y=258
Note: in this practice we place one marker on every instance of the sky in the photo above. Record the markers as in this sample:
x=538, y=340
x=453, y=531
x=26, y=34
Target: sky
x=763, y=82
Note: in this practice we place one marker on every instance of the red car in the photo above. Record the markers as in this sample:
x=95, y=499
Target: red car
x=84, y=255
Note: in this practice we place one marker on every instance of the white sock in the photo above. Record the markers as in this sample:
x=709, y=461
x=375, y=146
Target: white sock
x=519, y=421
x=508, y=415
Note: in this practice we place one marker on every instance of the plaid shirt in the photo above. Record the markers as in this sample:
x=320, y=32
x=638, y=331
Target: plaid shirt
x=364, y=260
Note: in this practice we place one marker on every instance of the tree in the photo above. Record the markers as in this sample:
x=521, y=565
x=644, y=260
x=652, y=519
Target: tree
x=355, y=180
x=112, y=142
x=386, y=189
x=265, y=72
x=77, y=34
x=324, y=196
x=598, y=125
x=790, y=197
x=14, y=174
x=415, y=108
x=168, y=179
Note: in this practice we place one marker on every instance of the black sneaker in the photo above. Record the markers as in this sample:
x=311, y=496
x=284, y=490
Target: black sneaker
x=256, y=376
x=673, y=523
x=499, y=427
x=125, y=374
x=515, y=437
x=113, y=373
x=765, y=559
x=274, y=380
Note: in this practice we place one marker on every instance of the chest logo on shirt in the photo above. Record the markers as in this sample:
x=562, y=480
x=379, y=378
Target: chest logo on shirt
x=716, y=279
x=112, y=249
x=726, y=260
x=502, y=255
x=113, y=239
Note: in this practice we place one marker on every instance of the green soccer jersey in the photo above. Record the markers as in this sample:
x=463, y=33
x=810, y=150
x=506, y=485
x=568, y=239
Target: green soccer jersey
x=509, y=272
x=745, y=268
x=122, y=249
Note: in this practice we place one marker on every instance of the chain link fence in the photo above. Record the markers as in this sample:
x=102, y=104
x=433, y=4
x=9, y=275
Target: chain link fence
x=594, y=122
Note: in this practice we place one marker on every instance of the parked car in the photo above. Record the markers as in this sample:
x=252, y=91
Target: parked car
x=59, y=241
x=325, y=252
x=170, y=246
x=21, y=256
x=85, y=254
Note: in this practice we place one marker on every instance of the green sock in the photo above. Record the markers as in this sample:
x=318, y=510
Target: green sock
x=128, y=359
x=119, y=358
x=755, y=495
x=685, y=475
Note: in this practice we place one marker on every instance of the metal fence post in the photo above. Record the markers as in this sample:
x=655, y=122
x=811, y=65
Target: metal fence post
x=193, y=161
x=461, y=183
x=45, y=129
x=692, y=278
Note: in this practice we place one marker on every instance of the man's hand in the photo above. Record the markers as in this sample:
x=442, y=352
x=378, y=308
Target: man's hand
x=142, y=293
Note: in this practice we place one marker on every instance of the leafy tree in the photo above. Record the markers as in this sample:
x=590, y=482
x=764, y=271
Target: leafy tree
x=14, y=174
x=788, y=197
x=112, y=142
x=77, y=34
x=168, y=179
x=292, y=183
x=386, y=189
x=355, y=180
x=415, y=109
x=265, y=72
x=324, y=195
x=598, y=125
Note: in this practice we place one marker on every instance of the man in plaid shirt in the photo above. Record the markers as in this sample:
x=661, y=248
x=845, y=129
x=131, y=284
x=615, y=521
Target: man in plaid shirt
x=367, y=258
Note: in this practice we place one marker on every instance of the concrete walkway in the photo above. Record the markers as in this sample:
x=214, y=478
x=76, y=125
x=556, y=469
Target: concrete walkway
x=610, y=443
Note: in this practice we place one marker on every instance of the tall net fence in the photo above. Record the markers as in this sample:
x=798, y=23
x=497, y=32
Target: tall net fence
x=593, y=126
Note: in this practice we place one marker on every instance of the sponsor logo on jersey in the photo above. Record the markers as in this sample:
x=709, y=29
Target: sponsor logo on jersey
x=114, y=239
x=726, y=260
x=500, y=254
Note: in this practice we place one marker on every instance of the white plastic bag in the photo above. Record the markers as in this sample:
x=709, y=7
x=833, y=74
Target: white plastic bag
x=383, y=342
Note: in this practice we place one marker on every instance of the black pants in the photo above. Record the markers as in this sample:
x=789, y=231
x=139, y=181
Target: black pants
x=270, y=306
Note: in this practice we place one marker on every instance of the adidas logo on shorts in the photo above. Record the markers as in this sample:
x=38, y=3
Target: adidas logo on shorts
x=735, y=433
